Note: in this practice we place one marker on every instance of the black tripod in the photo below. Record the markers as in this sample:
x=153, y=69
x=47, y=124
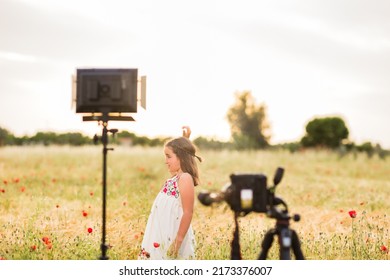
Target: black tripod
x=287, y=238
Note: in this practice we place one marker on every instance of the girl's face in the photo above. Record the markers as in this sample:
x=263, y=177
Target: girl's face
x=172, y=161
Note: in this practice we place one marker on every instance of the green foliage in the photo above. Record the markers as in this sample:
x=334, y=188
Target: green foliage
x=75, y=139
x=292, y=147
x=51, y=138
x=241, y=141
x=367, y=147
x=129, y=138
x=248, y=123
x=371, y=149
x=325, y=132
x=211, y=144
x=6, y=138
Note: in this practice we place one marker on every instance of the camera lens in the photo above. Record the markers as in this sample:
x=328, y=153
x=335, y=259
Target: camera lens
x=205, y=199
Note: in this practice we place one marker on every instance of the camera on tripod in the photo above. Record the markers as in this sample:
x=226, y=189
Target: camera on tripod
x=249, y=193
x=245, y=193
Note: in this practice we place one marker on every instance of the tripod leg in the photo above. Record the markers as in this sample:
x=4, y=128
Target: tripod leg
x=236, y=251
x=266, y=244
x=296, y=245
x=284, y=243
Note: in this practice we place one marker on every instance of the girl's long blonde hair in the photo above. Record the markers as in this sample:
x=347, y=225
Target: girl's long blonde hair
x=185, y=150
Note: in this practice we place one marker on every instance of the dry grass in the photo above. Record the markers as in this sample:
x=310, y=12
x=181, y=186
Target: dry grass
x=44, y=191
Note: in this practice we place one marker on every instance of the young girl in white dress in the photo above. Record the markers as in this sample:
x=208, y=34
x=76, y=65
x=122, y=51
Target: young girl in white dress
x=168, y=233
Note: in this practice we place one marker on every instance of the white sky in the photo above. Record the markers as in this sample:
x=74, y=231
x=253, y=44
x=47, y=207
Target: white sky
x=302, y=59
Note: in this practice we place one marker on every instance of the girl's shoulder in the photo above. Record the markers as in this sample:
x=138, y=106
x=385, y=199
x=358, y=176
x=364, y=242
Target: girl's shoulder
x=186, y=179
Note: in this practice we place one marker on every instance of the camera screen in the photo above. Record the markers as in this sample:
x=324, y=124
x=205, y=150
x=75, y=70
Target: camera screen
x=246, y=198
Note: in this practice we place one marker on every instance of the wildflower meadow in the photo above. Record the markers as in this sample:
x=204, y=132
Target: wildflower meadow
x=51, y=203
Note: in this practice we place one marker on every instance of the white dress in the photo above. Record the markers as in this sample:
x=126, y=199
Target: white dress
x=163, y=224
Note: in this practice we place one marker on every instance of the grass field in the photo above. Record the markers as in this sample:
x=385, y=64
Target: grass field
x=51, y=202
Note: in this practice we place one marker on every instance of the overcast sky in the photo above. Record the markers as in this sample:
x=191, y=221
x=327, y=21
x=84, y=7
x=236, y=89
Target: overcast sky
x=302, y=59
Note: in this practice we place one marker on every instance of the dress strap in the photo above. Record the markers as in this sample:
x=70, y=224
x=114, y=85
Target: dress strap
x=177, y=176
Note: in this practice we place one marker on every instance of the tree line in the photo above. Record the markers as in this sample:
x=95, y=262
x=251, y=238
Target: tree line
x=43, y=138
x=250, y=130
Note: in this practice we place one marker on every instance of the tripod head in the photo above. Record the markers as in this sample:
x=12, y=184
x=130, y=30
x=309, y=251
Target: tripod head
x=279, y=211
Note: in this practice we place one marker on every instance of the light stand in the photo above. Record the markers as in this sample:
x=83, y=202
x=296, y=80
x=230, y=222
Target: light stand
x=104, y=246
x=104, y=118
x=104, y=94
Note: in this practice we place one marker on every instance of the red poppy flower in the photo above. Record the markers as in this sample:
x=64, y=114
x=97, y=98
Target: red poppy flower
x=22, y=189
x=90, y=230
x=5, y=182
x=156, y=245
x=46, y=240
x=33, y=247
x=2, y=190
x=85, y=214
x=144, y=253
x=16, y=180
x=91, y=193
x=352, y=213
x=384, y=249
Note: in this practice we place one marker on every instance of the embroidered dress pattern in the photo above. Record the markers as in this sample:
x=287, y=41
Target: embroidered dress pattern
x=163, y=224
x=170, y=187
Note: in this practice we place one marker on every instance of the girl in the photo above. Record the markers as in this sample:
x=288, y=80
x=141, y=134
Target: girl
x=168, y=233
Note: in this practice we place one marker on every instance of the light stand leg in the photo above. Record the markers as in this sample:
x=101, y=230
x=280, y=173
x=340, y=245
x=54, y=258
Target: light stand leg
x=103, y=246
